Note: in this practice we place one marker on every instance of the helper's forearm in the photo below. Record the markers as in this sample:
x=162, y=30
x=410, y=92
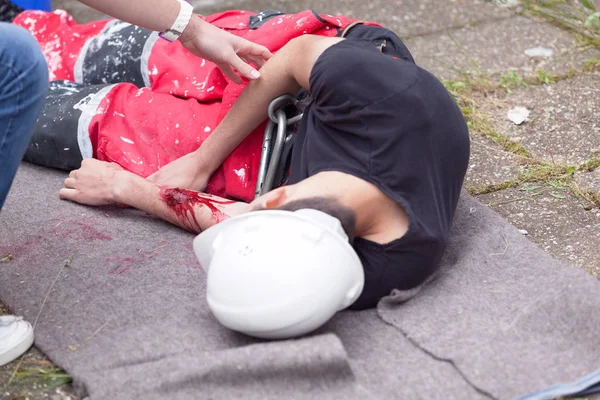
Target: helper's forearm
x=156, y=15
x=249, y=110
x=190, y=210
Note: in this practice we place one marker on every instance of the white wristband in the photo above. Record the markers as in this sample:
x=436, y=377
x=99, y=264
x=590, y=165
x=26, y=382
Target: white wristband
x=186, y=12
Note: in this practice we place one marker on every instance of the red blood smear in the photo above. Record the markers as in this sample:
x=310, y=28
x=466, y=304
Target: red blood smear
x=123, y=264
x=183, y=202
x=78, y=230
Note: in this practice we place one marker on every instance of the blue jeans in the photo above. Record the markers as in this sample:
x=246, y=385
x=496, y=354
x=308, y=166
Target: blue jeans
x=23, y=87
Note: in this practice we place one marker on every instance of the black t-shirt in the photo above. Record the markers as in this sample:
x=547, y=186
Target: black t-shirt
x=378, y=116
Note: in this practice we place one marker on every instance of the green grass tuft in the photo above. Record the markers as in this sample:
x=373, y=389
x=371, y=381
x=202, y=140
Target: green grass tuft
x=593, y=64
x=578, y=16
x=556, y=174
x=545, y=177
x=478, y=124
x=42, y=373
x=590, y=165
x=484, y=189
x=511, y=80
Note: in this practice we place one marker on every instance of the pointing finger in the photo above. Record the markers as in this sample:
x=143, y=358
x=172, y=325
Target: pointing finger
x=228, y=71
x=243, y=68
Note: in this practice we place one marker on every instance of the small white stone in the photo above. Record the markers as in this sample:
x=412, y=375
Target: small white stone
x=518, y=115
x=523, y=232
x=539, y=52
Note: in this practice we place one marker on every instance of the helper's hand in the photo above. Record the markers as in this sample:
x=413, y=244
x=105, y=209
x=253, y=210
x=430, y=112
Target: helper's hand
x=185, y=173
x=224, y=49
x=92, y=184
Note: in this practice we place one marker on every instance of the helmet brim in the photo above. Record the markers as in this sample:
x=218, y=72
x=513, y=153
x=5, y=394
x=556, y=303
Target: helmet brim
x=203, y=243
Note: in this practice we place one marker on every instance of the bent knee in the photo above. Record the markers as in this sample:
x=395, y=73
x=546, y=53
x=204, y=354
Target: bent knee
x=20, y=52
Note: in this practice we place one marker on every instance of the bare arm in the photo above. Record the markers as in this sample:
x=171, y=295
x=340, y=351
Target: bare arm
x=156, y=15
x=102, y=183
x=199, y=37
x=286, y=72
x=190, y=210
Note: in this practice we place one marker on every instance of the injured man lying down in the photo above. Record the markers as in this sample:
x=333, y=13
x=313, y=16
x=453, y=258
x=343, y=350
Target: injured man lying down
x=377, y=159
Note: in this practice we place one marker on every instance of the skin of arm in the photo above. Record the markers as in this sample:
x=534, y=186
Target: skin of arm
x=156, y=15
x=102, y=183
x=193, y=211
x=285, y=73
x=201, y=38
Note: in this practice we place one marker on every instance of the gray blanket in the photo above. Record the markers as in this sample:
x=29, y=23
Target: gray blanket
x=123, y=310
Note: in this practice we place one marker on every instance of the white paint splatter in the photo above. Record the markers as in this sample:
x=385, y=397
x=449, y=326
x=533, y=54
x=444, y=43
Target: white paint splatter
x=69, y=90
x=200, y=85
x=176, y=125
x=241, y=174
x=109, y=33
x=207, y=129
x=119, y=114
x=301, y=21
x=62, y=14
x=52, y=51
x=30, y=22
x=127, y=140
x=83, y=102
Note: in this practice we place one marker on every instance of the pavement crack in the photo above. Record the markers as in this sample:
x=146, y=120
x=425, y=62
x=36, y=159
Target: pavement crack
x=456, y=27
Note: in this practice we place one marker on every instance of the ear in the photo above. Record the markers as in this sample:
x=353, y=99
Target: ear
x=274, y=198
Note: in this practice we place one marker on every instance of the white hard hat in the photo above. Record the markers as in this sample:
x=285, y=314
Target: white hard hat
x=278, y=274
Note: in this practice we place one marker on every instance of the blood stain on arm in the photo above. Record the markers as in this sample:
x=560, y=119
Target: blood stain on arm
x=184, y=202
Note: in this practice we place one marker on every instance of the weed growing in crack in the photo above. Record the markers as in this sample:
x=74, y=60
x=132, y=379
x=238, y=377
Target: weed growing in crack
x=511, y=80
x=544, y=78
x=552, y=178
x=579, y=16
x=40, y=372
x=592, y=65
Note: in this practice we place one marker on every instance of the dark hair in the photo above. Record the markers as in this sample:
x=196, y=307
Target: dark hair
x=329, y=206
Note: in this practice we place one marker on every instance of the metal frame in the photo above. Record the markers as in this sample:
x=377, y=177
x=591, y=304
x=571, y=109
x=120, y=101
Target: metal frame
x=270, y=158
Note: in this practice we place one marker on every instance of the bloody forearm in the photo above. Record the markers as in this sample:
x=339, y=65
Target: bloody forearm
x=193, y=211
